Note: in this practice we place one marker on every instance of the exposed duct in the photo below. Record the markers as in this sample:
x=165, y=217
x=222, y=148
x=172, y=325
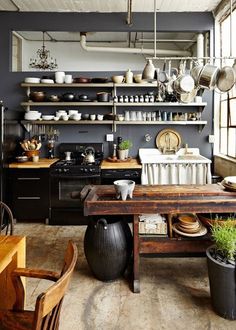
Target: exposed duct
x=168, y=52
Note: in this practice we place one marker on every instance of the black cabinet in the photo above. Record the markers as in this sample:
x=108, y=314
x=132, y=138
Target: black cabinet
x=29, y=193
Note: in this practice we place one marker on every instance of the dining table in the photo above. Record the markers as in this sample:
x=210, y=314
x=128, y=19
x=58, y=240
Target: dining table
x=12, y=256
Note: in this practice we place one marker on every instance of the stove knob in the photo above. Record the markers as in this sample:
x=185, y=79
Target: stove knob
x=85, y=170
x=66, y=170
x=59, y=170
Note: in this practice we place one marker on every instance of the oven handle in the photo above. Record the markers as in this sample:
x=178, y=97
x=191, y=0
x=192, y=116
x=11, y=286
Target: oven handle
x=74, y=176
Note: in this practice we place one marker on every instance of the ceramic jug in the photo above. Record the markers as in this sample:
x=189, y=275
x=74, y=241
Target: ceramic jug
x=149, y=70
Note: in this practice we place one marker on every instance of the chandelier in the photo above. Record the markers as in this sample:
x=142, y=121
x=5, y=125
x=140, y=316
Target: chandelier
x=43, y=60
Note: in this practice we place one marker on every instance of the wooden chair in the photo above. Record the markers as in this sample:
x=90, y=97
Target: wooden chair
x=48, y=304
x=6, y=220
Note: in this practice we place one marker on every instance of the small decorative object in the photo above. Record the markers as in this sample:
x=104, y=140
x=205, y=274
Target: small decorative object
x=124, y=188
x=129, y=77
x=221, y=262
x=149, y=70
x=123, y=149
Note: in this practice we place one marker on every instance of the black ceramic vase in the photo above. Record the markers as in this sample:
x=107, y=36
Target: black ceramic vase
x=108, y=247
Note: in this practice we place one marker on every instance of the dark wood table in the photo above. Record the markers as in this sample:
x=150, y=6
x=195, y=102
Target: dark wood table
x=164, y=199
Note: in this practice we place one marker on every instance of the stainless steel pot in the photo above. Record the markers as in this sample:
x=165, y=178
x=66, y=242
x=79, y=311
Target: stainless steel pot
x=184, y=84
x=226, y=79
x=208, y=76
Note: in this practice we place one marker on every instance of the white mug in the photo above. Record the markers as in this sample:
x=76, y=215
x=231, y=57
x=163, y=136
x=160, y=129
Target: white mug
x=68, y=78
x=92, y=117
x=35, y=158
x=198, y=99
x=59, y=77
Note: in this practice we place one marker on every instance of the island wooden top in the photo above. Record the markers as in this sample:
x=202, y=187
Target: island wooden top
x=101, y=199
x=132, y=163
x=42, y=163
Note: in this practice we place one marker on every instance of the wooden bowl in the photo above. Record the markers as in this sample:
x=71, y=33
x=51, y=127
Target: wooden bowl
x=31, y=153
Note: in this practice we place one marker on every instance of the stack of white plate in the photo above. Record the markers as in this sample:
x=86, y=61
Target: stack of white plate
x=32, y=115
x=229, y=183
x=32, y=80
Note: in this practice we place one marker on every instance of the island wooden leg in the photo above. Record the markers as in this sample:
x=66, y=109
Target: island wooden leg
x=136, y=283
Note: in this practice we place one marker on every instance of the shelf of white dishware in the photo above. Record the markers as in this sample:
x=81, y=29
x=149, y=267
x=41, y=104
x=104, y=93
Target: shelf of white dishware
x=168, y=122
x=160, y=104
x=64, y=104
x=66, y=122
x=109, y=84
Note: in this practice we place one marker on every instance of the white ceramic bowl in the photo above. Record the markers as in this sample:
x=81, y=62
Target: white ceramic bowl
x=47, y=81
x=47, y=117
x=32, y=80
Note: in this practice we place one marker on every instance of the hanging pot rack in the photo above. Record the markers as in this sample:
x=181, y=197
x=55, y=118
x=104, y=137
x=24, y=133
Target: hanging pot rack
x=191, y=58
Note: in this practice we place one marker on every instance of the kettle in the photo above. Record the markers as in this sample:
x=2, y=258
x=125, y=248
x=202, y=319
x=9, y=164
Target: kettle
x=68, y=155
x=89, y=155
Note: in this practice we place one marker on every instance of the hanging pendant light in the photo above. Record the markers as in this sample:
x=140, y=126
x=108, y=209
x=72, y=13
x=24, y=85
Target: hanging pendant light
x=43, y=61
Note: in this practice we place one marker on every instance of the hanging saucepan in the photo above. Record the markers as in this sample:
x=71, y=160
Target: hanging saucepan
x=208, y=76
x=188, y=97
x=226, y=79
x=163, y=75
x=195, y=73
x=184, y=83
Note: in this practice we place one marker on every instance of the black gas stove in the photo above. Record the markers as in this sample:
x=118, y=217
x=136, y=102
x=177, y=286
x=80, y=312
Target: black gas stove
x=68, y=176
x=73, y=159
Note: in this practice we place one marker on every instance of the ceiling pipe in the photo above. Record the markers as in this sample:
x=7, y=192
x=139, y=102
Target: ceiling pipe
x=200, y=47
x=170, y=52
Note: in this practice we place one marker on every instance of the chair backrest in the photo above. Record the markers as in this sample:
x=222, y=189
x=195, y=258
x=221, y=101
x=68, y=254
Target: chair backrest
x=48, y=304
x=6, y=220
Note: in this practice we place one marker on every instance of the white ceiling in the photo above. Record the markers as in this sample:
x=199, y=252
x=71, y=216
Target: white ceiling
x=107, y=5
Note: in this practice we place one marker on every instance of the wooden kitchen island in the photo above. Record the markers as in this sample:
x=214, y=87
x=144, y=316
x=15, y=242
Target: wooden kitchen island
x=164, y=199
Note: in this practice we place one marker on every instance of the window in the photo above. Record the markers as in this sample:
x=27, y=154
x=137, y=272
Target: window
x=227, y=120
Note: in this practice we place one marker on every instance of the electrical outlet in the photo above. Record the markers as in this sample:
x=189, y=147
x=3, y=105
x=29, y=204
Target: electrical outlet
x=211, y=138
x=109, y=137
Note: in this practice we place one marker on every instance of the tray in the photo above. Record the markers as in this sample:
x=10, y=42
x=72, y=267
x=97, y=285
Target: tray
x=116, y=160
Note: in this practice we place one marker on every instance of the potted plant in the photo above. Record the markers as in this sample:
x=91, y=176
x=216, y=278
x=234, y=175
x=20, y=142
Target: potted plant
x=221, y=263
x=123, y=149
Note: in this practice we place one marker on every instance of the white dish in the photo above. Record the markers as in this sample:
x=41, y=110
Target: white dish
x=47, y=81
x=202, y=231
x=32, y=80
x=230, y=180
x=47, y=117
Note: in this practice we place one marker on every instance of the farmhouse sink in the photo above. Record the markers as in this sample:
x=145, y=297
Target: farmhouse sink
x=151, y=155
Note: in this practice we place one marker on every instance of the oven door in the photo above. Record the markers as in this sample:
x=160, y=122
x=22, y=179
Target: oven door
x=65, y=190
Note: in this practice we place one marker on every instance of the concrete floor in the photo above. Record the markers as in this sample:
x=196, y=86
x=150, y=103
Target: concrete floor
x=174, y=291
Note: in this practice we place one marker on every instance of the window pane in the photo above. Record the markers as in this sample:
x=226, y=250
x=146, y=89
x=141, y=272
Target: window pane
x=231, y=142
x=223, y=141
x=232, y=115
x=223, y=114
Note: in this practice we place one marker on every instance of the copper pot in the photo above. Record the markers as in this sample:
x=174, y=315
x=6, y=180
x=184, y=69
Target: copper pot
x=37, y=96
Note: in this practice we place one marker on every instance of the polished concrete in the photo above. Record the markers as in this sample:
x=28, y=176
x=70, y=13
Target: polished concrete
x=174, y=291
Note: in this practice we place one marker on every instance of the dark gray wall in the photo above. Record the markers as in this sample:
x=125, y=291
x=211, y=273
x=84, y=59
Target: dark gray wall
x=12, y=94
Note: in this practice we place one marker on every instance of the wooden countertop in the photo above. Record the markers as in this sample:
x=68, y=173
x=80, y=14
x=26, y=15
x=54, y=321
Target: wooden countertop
x=133, y=163
x=42, y=163
x=160, y=199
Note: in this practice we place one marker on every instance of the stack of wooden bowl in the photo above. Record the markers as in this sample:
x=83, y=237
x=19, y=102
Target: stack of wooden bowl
x=189, y=225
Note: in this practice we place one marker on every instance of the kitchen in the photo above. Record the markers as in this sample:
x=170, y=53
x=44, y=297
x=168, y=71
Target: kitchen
x=13, y=94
